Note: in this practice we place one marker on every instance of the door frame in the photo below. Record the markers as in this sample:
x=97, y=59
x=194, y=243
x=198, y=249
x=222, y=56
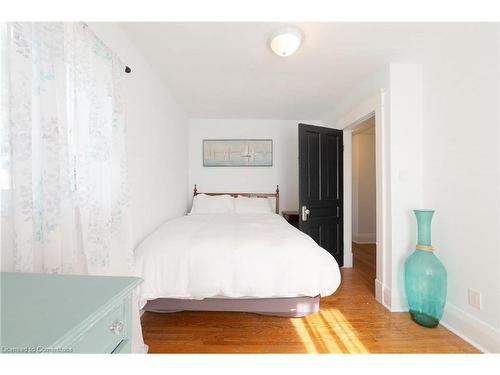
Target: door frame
x=372, y=106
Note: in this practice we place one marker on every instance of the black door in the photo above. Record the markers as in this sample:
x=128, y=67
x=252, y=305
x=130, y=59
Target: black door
x=321, y=187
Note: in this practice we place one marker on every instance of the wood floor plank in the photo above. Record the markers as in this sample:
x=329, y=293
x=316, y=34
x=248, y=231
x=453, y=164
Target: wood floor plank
x=350, y=321
x=364, y=260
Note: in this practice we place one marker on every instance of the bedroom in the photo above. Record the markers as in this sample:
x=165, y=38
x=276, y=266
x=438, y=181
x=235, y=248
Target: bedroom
x=116, y=135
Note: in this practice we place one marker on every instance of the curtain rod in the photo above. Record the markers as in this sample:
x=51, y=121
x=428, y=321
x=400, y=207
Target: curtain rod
x=127, y=68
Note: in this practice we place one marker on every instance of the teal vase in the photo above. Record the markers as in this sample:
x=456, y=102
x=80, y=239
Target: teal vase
x=425, y=276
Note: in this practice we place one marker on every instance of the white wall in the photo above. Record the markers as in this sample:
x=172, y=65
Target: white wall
x=156, y=139
x=363, y=185
x=399, y=137
x=284, y=171
x=406, y=176
x=444, y=153
x=461, y=174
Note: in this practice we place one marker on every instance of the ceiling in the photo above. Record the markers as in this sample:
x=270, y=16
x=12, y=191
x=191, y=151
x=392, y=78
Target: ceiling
x=227, y=70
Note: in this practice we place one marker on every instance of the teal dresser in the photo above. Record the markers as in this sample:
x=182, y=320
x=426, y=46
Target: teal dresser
x=43, y=313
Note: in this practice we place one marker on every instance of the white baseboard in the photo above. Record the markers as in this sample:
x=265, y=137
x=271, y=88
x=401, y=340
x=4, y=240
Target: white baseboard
x=398, y=304
x=364, y=238
x=386, y=294
x=347, y=259
x=393, y=301
x=379, y=292
x=477, y=333
x=387, y=297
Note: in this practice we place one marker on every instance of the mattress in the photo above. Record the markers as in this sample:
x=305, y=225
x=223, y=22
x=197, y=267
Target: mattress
x=234, y=256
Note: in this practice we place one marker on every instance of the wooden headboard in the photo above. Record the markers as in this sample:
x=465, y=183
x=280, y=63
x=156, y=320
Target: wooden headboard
x=276, y=195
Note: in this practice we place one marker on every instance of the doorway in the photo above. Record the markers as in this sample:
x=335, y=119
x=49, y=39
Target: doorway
x=364, y=216
x=371, y=106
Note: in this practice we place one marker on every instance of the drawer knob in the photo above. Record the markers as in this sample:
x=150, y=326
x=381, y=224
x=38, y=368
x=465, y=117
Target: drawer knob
x=117, y=327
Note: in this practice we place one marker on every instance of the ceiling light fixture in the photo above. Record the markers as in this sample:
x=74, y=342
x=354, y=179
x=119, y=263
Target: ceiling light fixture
x=286, y=41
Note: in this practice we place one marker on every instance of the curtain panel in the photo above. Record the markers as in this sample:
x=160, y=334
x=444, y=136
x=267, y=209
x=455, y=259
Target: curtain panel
x=63, y=183
x=65, y=202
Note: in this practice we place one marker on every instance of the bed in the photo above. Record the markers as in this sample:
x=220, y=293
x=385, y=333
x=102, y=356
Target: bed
x=233, y=252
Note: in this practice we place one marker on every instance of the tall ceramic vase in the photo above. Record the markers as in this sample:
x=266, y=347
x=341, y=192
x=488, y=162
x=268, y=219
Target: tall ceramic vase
x=425, y=276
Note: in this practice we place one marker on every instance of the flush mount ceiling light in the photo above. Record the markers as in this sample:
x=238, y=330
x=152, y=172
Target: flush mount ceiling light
x=285, y=42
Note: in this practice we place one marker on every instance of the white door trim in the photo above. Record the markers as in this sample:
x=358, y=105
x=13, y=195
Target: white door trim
x=371, y=106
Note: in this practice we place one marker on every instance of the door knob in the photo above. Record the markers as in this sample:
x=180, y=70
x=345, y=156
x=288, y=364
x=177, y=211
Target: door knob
x=305, y=213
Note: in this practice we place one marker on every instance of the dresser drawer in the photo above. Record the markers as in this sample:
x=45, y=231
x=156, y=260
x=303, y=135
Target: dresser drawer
x=106, y=333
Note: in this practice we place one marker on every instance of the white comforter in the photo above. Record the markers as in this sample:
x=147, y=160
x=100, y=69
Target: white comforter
x=233, y=256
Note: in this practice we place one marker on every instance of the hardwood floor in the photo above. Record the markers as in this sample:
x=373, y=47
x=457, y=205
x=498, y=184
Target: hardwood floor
x=350, y=321
x=364, y=257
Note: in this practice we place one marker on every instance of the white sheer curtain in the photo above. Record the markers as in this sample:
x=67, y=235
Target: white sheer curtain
x=64, y=196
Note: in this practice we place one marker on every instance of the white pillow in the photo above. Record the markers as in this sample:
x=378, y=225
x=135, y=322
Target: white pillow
x=245, y=205
x=212, y=204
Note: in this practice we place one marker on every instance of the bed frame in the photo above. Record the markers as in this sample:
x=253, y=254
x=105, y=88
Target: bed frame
x=276, y=195
x=290, y=307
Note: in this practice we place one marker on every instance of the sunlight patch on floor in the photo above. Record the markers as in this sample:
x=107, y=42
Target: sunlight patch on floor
x=344, y=330
x=328, y=331
x=302, y=332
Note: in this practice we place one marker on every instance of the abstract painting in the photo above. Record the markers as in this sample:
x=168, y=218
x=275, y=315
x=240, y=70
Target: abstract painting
x=238, y=153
